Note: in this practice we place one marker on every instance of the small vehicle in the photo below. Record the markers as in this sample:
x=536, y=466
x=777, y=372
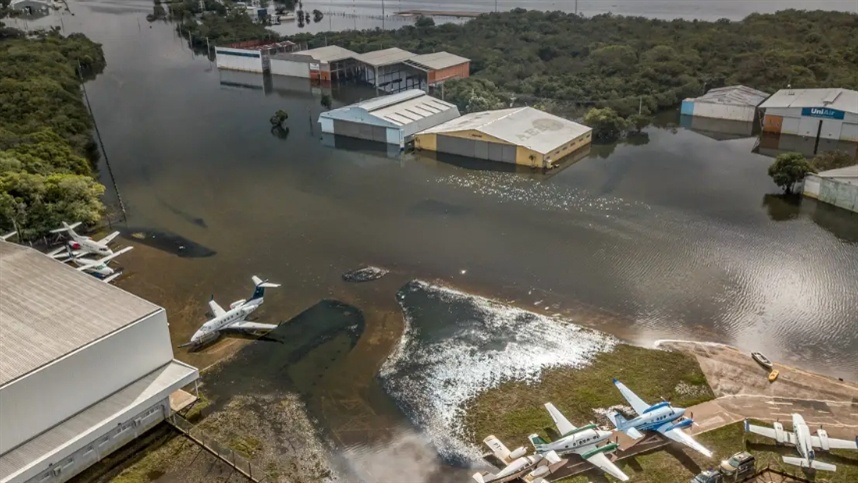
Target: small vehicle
x=773, y=376
x=708, y=476
x=762, y=360
x=738, y=466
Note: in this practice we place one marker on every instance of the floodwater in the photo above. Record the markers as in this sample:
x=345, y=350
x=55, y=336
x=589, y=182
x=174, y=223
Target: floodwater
x=675, y=235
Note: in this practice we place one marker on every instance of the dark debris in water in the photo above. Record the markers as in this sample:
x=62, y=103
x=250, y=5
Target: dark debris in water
x=365, y=274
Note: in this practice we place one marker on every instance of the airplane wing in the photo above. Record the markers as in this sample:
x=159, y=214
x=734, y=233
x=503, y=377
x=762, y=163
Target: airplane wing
x=634, y=401
x=788, y=436
x=58, y=253
x=563, y=424
x=601, y=461
x=681, y=436
x=215, y=308
x=244, y=325
x=109, y=238
x=499, y=449
x=111, y=277
x=104, y=259
x=834, y=443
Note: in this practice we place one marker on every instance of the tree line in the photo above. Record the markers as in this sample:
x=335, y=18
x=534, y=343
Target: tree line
x=47, y=155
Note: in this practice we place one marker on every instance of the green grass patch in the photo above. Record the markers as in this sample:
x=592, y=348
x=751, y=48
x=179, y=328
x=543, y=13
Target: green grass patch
x=676, y=464
x=247, y=446
x=515, y=409
x=195, y=413
x=153, y=463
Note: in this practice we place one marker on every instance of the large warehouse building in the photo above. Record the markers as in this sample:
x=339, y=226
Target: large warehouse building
x=251, y=55
x=392, y=119
x=85, y=368
x=814, y=113
x=521, y=135
x=322, y=64
x=838, y=187
x=734, y=103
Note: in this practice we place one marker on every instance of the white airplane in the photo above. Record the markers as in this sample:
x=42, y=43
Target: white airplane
x=8, y=235
x=84, y=244
x=518, y=466
x=97, y=268
x=804, y=442
x=234, y=318
x=582, y=441
x=661, y=417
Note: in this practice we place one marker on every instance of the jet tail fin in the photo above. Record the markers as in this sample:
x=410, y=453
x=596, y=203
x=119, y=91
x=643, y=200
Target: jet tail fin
x=621, y=423
x=818, y=465
x=260, y=286
x=536, y=441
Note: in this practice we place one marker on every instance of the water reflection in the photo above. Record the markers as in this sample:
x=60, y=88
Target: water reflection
x=838, y=222
x=717, y=129
x=772, y=145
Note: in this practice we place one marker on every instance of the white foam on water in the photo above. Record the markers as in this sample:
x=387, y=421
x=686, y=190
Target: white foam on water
x=433, y=380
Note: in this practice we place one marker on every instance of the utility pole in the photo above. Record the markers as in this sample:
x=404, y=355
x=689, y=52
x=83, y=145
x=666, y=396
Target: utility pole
x=640, y=105
x=382, y=14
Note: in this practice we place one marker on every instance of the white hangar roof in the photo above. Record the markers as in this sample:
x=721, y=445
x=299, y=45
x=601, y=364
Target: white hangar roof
x=396, y=110
x=733, y=95
x=840, y=99
x=524, y=126
x=49, y=309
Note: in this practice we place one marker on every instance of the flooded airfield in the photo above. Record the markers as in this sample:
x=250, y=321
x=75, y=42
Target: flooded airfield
x=674, y=236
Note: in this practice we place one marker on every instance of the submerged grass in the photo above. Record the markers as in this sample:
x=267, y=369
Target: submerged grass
x=674, y=464
x=515, y=409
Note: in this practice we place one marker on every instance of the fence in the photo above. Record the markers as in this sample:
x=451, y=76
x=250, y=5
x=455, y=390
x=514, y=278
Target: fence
x=238, y=462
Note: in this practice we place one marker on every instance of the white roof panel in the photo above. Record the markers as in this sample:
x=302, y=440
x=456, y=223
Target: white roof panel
x=330, y=53
x=436, y=61
x=397, y=110
x=49, y=309
x=157, y=384
x=848, y=174
x=413, y=110
x=840, y=99
x=384, y=57
x=524, y=126
x=733, y=95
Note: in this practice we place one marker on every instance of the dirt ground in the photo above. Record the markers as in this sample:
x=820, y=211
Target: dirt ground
x=731, y=372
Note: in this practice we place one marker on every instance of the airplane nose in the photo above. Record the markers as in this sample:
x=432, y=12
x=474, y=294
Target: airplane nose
x=680, y=411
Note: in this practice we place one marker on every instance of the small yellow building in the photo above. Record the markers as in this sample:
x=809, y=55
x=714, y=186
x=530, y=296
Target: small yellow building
x=521, y=135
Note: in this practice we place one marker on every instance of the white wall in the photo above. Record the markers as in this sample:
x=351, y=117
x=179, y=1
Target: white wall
x=61, y=389
x=394, y=136
x=724, y=111
x=811, y=186
x=327, y=125
x=849, y=132
x=290, y=68
x=239, y=59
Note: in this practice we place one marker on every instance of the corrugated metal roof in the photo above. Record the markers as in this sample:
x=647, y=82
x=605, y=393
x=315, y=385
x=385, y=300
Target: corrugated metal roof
x=396, y=110
x=840, y=99
x=436, y=61
x=160, y=382
x=384, y=57
x=48, y=309
x=848, y=172
x=524, y=126
x=733, y=95
x=330, y=53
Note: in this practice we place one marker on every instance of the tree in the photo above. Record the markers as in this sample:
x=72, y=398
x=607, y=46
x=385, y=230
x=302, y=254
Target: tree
x=607, y=125
x=423, y=22
x=326, y=101
x=638, y=121
x=788, y=169
x=473, y=94
x=832, y=160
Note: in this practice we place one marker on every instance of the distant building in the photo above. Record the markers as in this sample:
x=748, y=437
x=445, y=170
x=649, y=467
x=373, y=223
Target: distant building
x=439, y=67
x=31, y=7
x=392, y=119
x=384, y=69
x=813, y=113
x=522, y=135
x=735, y=103
x=85, y=368
x=251, y=55
x=323, y=64
x=838, y=187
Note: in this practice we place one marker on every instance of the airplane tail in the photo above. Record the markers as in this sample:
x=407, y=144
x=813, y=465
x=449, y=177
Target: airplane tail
x=66, y=227
x=536, y=441
x=621, y=423
x=260, y=286
x=818, y=465
x=482, y=477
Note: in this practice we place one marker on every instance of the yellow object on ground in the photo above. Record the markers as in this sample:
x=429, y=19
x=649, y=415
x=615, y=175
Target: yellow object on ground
x=773, y=375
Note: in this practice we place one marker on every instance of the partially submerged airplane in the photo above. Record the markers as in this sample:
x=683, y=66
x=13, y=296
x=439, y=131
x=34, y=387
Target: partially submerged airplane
x=803, y=441
x=518, y=466
x=582, y=441
x=83, y=244
x=234, y=318
x=97, y=268
x=661, y=417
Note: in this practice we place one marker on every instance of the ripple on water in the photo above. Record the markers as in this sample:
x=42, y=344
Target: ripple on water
x=456, y=345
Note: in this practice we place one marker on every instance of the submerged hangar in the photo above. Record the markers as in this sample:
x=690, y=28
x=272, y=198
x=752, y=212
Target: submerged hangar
x=85, y=368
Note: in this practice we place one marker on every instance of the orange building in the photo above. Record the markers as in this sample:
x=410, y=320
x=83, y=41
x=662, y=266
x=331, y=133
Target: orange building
x=441, y=66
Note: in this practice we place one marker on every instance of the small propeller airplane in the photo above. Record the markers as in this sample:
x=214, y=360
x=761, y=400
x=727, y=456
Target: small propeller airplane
x=661, y=417
x=83, y=244
x=804, y=442
x=582, y=441
x=518, y=466
x=97, y=268
x=234, y=318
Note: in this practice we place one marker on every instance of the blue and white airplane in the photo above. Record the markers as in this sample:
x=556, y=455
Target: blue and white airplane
x=661, y=417
x=234, y=318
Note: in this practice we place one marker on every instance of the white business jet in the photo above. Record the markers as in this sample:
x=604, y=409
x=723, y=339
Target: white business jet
x=234, y=318
x=518, y=466
x=97, y=268
x=83, y=244
x=804, y=442
x=582, y=441
x=661, y=417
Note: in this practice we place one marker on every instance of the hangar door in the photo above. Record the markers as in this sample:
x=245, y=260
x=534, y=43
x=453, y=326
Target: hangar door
x=360, y=131
x=474, y=148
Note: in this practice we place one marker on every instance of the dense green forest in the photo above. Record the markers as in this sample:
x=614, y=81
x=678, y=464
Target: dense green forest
x=562, y=59
x=46, y=149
